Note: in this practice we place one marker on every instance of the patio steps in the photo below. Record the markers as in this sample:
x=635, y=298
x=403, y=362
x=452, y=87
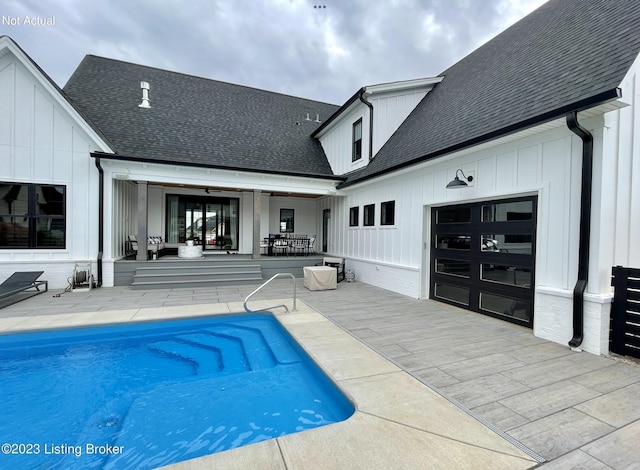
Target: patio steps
x=203, y=274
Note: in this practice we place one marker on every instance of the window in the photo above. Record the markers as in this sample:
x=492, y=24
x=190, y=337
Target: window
x=369, y=215
x=286, y=220
x=388, y=213
x=354, y=216
x=32, y=216
x=356, y=150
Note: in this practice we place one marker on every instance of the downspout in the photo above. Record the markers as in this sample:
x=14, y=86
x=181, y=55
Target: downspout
x=100, y=220
x=585, y=227
x=363, y=99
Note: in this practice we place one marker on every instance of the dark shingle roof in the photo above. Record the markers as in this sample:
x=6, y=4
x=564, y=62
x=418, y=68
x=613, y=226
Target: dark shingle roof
x=566, y=54
x=197, y=121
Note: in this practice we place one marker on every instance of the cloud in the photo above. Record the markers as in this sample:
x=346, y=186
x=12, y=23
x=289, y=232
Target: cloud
x=287, y=46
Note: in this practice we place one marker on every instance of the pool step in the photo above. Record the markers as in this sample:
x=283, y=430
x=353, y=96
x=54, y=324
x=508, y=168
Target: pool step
x=207, y=360
x=281, y=350
x=256, y=349
x=231, y=350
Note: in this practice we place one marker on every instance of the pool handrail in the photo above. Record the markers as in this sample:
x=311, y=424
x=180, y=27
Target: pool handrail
x=267, y=282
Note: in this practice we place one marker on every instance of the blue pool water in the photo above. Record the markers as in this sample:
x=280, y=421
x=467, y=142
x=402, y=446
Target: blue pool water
x=150, y=394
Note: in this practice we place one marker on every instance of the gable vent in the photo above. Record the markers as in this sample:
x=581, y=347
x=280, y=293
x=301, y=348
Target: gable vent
x=145, y=95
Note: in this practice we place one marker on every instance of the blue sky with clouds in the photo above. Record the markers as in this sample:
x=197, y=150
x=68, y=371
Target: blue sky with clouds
x=323, y=50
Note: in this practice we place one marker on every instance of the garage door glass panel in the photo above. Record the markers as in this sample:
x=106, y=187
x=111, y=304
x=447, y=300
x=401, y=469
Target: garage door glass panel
x=453, y=242
x=453, y=267
x=507, y=306
x=518, y=243
x=453, y=215
x=456, y=294
x=507, y=211
x=510, y=275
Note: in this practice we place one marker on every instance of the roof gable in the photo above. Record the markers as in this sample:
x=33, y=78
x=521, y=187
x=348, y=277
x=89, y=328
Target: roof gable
x=565, y=55
x=198, y=121
x=9, y=46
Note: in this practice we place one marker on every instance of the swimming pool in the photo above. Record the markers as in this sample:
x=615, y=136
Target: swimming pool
x=150, y=394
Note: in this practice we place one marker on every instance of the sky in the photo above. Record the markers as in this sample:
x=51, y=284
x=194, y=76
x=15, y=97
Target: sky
x=324, y=50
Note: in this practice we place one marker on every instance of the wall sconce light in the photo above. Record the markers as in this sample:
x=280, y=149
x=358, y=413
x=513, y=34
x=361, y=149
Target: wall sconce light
x=457, y=182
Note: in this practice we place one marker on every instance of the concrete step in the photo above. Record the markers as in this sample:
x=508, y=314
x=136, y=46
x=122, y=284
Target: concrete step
x=190, y=276
x=169, y=275
x=180, y=284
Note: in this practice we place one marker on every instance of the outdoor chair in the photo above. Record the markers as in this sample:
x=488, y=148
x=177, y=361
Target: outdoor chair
x=21, y=282
x=311, y=246
x=298, y=245
x=337, y=263
x=281, y=245
x=155, y=245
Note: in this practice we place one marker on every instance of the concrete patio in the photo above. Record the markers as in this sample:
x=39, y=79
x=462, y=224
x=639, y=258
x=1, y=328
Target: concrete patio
x=572, y=409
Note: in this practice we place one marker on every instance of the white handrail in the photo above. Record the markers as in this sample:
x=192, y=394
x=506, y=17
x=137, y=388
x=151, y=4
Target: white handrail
x=267, y=282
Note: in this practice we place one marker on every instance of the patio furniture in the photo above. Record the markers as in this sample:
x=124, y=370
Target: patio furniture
x=298, y=245
x=320, y=277
x=264, y=246
x=21, y=282
x=338, y=264
x=311, y=246
x=280, y=245
x=190, y=251
x=155, y=246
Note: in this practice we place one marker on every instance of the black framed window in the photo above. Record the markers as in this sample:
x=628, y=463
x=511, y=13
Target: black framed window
x=286, y=220
x=369, y=215
x=388, y=213
x=32, y=216
x=354, y=216
x=356, y=149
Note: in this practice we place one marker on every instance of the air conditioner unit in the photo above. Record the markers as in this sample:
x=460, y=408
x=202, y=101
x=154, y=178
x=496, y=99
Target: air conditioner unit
x=82, y=280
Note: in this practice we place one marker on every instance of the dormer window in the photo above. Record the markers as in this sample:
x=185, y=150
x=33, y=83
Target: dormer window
x=356, y=148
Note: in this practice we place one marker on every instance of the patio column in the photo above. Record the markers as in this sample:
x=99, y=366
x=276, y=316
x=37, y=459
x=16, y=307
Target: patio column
x=257, y=211
x=143, y=208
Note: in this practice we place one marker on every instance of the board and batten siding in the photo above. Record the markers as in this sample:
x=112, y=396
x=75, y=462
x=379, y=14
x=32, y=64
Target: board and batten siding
x=41, y=143
x=547, y=164
x=390, y=110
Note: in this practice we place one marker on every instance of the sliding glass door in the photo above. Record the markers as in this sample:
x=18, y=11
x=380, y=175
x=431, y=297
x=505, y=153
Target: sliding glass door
x=209, y=221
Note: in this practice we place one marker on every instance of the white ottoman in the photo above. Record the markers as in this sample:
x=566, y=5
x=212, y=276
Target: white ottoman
x=186, y=251
x=320, y=277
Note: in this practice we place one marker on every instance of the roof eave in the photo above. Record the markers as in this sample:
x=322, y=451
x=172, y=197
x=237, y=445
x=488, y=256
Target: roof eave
x=111, y=156
x=578, y=106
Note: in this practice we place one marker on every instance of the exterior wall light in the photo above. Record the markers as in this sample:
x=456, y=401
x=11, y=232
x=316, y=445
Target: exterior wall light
x=457, y=182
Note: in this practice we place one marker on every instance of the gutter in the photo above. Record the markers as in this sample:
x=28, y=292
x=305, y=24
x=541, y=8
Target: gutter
x=100, y=220
x=364, y=100
x=585, y=227
x=111, y=156
x=367, y=173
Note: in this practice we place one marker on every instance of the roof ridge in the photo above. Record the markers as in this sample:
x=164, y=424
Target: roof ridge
x=200, y=77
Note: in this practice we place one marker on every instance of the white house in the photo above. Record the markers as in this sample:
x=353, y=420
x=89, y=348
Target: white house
x=539, y=123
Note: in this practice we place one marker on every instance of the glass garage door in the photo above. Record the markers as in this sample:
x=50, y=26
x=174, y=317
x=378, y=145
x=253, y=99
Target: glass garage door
x=482, y=257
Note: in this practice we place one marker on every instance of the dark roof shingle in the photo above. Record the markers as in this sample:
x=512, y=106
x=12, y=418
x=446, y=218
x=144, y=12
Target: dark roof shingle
x=565, y=53
x=198, y=121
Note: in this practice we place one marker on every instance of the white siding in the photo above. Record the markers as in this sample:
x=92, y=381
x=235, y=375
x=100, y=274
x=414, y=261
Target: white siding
x=547, y=165
x=304, y=222
x=337, y=142
x=41, y=143
x=389, y=111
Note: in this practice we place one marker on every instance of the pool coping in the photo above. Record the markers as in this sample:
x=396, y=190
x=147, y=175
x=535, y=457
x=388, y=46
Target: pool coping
x=399, y=422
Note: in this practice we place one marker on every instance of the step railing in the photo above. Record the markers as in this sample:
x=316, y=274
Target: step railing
x=275, y=276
